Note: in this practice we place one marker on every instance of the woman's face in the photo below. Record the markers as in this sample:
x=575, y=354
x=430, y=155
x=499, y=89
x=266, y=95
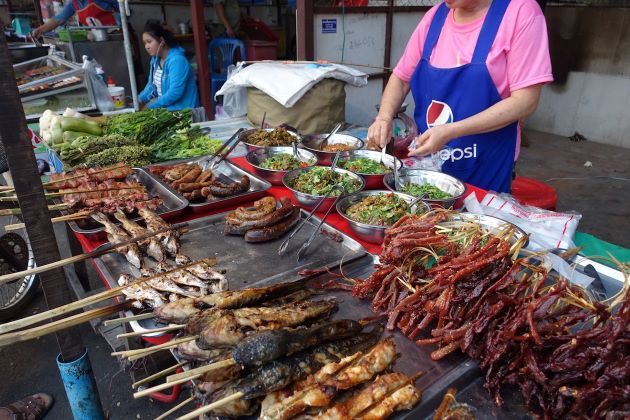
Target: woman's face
x=151, y=44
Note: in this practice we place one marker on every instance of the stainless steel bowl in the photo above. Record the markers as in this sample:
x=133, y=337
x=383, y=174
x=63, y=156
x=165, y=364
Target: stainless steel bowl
x=257, y=156
x=309, y=200
x=489, y=224
x=445, y=182
x=372, y=233
x=372, y=181
x=313, y=143
x=245, y=134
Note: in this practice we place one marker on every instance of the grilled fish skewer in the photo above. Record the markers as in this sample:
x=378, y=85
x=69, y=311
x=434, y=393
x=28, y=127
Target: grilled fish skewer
x=153, y=246
x=210, y=281
x=164, y=284
x=140, y=293
x=154, y=222
x=116, y=235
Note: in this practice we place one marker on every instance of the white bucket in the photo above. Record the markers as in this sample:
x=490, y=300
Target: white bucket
x=118, y=96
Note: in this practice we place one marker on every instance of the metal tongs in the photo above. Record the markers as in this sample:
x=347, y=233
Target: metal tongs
x=212, y=161
x=285, y=243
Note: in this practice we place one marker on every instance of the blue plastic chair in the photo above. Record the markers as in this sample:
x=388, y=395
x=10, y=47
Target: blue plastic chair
x=221, y=54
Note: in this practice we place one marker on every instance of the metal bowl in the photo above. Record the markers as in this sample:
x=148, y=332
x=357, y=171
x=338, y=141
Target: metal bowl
x=372, y=181
x=372, y=233
x=445, y=182
x=258, y=156
x=308, y=200
x=245, y=135
x=313, y=144
x=489, y=224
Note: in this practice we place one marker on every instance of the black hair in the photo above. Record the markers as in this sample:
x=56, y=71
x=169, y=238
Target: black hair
x=154, y=28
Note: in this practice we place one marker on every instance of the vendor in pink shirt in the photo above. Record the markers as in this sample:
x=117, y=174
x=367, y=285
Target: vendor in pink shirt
x=474, y=68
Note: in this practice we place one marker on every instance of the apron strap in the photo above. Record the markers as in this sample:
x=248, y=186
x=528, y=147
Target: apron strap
x=434, y=31
x=489, y=30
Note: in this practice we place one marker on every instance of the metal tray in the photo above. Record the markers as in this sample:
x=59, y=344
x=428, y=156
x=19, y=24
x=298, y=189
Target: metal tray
x=172, y=205
x=226, y=172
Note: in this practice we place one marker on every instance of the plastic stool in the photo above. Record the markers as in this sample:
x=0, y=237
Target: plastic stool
x=534, y=193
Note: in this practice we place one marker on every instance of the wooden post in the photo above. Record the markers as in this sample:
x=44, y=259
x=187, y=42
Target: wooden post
x=304, y=30
x=201, y=52
x=30, y=195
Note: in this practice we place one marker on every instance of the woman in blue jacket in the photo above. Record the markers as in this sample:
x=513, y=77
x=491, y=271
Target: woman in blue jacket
x=171, y=82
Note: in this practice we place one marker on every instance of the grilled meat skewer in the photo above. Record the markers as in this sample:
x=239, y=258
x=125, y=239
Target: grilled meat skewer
x=402, y=399
x=116, y=235
x=152, y=245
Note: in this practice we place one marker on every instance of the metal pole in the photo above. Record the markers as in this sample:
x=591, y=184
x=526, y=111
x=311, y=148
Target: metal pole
x=32, y=202
x=201, y=53
x=124, y=12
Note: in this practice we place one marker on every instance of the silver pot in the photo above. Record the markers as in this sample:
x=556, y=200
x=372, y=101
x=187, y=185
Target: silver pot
x=372, y=181
x=313, y=144
x=445, y=182
x=257, y=156
x=245, y=134
x=372, y=233
x=309, y=200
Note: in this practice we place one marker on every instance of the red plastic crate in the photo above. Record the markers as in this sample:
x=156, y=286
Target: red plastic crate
x=261, y=50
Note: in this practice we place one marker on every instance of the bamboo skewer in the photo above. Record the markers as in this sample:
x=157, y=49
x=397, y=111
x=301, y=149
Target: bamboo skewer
x=155, y=349
x=210, y=407
x=16, y=337
x=174, y=409
x=126, y=353
x=151, y=331
x=67, y=218
x=125, y=319
x=61, y=194
x=16, y=211
x=193, y=373
x=157, y=388
x=93, y=254
x=158, y=375
x=99, y=297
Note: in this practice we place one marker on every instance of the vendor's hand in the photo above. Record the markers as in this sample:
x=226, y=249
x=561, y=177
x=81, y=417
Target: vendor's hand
x=230, y=33
x=35, y=33
x=380, y=132
x=432, y=140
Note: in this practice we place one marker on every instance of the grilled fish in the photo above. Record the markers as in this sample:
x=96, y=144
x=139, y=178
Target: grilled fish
x=116, y=235
x=169, y=239
x=179, y=312
x=153, y=246
x=402, y=399
x=140, y=292
x=164, y=284
x=232, y=327
x=190, y=351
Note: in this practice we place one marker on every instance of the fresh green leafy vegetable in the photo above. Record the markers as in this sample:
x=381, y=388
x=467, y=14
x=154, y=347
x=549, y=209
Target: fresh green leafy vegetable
x=184, y=143
x=320, y=180
x=432, y=192
x=81, y=148
x=378, y=210
x=283, y=162
x=363, y=165
x=149, y=126
x=134, y=155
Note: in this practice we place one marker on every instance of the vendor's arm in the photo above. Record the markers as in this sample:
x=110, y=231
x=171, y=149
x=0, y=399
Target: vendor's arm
x=395, y=93
x=179, y=72
x=46, y=27
x=520, y=104
x=220, y=10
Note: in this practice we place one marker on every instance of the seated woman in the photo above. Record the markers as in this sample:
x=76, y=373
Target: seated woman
x=171, y=82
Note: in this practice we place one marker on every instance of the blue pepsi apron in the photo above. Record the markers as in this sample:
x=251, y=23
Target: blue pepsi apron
x=444, y=95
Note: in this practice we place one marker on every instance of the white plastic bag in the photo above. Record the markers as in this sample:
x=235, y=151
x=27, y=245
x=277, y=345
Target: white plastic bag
x=235, y=101
x=102, y=97
x=547, y=229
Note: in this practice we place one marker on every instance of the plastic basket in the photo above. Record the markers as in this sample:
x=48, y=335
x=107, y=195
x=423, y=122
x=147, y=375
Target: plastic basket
x=78, y=35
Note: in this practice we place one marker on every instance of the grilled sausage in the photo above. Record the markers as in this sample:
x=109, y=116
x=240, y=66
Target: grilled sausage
x=193, y=195
x=261, y=208
x=275, y=231
x=192, y=186
x=190, y=176
x=219, y=189
x=205, y=176
x=235, y=226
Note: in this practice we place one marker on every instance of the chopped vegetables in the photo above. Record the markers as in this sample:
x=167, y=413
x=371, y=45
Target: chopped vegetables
x=363, y=165
x=278, y=137
x=338, y=147
x=378, y=210
x=432, y=192
x=185, y=143
x=319, y=181
x=284, y=162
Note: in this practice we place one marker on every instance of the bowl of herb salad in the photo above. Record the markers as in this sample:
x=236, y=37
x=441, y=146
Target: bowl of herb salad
x=272, y=163
x=439, y=189
x=367, y=163
x=370, y=213
x=310, y=185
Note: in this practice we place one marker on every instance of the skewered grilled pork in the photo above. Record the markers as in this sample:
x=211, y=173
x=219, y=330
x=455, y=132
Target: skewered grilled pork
x=116, y=235
x=152, y=245
x=83, y=175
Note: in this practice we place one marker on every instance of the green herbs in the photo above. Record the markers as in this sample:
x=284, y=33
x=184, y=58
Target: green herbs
x=185, y=143
x=131, y=155
x=319, y=181
x=363, y=165
x=378, y=210
x=82, y=148
x=432, y=192
x=283, y=162
x=149, y=126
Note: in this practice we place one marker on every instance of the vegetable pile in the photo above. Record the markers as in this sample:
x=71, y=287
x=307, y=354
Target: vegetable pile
x=378, y=210
x=184, y=143
x=283, y=162
x=320, y=181
x=363, y=165
x=432, y=192
x=150, y=126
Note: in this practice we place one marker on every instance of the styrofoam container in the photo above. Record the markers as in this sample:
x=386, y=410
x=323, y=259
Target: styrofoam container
x=118, y=95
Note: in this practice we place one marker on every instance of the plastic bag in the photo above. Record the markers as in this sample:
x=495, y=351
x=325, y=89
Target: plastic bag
x=547, y=229
x=235, y=101
x=432, y=162
x=102, y=97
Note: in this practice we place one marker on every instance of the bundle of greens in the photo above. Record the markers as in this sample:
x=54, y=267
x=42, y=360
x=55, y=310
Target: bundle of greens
x=76, y=152
x=132, y=155
x=184, y=143
x=149, y=126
